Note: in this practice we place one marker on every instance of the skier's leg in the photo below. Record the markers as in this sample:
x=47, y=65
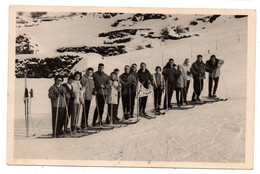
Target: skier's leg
x=171, y=89
x=155, y=98
x=210, y=86
x=133, y=103
x=140, y=105
x=216, y=80
x=60, y=120
x=144, y=103
x=177, y=96
x=53, y=109
x=102, y=105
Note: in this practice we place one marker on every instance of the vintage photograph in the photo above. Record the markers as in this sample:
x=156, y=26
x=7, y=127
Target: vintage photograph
x=131, y=87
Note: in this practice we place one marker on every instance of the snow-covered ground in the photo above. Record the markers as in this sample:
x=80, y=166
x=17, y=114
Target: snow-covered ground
x=207, y=133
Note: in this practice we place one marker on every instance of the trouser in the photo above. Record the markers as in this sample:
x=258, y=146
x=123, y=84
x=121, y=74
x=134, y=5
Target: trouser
x=132, y=104
x=142, y=104
x=185, y=91
x=75, y=116
x=179, y=95
x=100, y=107
x=84, y=121
x=157, y=98
x=68, y=114
x=126, y=103
x=211, y=79
x=112, y=111
x=198, y=87
x=168, y=93
x=60, y=121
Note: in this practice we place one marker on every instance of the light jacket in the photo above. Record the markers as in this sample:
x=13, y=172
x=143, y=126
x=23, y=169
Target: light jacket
x=112, y=97
x=161, y=84
x=182, y=80
x=88, y=84
x=186, y=69
x=79, y=92
x=55, y=93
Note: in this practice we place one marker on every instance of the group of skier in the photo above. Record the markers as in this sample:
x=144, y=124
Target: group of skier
x=71, y=101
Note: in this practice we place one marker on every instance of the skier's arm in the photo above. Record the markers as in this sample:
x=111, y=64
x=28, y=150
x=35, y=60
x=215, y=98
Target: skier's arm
x=107, y=85
x=220, y=63
x=193, y=71
x=52, y=94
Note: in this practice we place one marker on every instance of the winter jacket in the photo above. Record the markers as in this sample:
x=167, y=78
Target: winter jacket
x=101, y=78
x=112, y=97
x=70, y=92
x=145, y=78
x=88, y=84
x=158, y=83
x=198, y=70
x=186, y=69
x=56, y=92
x=129, y=83
x=79, y=92
x=214, y=68
x=182, y=79
x=170, y=74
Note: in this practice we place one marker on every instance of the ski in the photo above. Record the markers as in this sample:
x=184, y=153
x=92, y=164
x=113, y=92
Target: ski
x=182, y=107
x=100, y=128
x=157, y=113
x=113, y=125
x=127, y=122
x=149, y=117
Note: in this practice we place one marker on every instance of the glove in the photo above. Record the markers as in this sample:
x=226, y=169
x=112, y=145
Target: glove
x=188, y=73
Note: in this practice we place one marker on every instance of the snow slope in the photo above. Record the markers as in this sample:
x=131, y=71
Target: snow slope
x=208, y=133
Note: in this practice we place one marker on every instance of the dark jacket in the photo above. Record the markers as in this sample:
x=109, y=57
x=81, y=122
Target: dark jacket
x=170, y=73
x=101, y=79
x=129, y=83
x=145, y=77
x=214, y=68
x=70, y=94
x=198, y=70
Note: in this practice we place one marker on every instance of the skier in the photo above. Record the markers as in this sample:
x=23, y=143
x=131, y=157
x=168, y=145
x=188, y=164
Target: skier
x=158, y=87
x=180, y=86
x=213, y=68
x=187, y=74
x=146, y=79
x=57, y=93
x=70, y=102
x=170, y=75
x=78, y=102
x=112, y=98
x=88, y=83
x=116, y=71
x=101, y=82
x=198, y=73
x=128, y=82
x=133, y=71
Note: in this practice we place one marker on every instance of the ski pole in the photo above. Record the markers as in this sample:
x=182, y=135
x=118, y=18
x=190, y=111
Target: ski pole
x=167, y=97
x=57, y=114
x=30, y=111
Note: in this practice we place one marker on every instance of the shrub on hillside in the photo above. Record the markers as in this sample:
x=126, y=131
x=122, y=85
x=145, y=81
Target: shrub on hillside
x=37, y=14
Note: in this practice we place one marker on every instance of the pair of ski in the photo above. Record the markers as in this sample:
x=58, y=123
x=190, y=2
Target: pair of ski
x=209, y=100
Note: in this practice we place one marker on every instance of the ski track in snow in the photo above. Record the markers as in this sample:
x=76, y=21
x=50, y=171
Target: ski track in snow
x=207, y=133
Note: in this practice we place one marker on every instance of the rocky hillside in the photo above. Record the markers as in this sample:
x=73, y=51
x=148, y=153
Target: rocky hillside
x=110, y=34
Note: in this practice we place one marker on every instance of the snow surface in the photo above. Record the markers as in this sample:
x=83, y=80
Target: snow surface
x=208, y=133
